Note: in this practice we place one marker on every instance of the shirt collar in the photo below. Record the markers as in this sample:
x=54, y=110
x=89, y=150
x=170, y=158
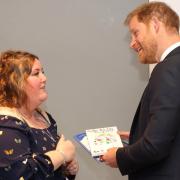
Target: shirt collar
x=168, y=50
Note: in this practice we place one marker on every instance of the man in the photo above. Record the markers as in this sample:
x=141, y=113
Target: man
x=154, y=141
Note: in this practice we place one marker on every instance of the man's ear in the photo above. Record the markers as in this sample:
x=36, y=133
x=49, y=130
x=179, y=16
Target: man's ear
x=155, y=23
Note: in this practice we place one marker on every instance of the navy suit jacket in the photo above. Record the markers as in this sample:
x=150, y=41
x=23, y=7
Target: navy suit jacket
x=154, y=150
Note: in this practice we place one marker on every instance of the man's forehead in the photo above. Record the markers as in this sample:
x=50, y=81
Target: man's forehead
x=133, y=20
x=135, y=24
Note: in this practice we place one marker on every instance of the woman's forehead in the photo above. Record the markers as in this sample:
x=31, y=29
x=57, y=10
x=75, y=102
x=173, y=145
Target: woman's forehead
x=36, y=64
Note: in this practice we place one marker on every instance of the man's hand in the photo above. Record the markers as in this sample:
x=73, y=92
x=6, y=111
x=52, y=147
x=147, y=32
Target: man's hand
x=124, y=134
x=109, y=158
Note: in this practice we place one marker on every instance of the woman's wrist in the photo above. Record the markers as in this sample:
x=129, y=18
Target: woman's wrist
x=63, y=155
x=57, y=158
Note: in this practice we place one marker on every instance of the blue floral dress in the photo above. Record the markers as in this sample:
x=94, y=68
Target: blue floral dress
x=22, y=151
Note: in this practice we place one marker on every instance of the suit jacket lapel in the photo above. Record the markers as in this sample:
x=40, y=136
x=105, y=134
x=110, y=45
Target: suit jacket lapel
x=173, y=52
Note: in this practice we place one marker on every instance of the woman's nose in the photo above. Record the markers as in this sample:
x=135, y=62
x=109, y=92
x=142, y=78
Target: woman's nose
x=43, y=76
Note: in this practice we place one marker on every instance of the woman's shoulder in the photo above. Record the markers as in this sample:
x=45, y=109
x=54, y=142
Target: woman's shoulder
x=9, y=118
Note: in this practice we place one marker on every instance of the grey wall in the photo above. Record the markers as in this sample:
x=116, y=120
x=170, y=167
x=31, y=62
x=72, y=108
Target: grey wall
x=94, y=79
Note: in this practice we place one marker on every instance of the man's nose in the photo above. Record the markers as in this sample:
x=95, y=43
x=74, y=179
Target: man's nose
x=132, y=43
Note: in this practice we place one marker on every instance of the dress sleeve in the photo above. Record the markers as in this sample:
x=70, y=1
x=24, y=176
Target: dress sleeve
x=17, y=161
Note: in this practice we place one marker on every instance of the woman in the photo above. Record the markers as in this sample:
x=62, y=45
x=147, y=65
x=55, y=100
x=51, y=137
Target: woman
x=30, y=148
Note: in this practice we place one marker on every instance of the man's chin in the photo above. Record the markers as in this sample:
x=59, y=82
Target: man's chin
x=143, y=61
x=147, y=61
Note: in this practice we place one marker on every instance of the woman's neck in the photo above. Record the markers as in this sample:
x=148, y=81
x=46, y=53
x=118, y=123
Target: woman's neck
x=27, y=112
x=33, y=118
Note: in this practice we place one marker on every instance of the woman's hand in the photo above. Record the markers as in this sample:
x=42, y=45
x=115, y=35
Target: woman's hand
x=66, y=149
x=64, y=153
x=72, y=167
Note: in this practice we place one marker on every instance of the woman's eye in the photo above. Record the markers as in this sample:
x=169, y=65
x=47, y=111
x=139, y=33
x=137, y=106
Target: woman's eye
x=35, y=74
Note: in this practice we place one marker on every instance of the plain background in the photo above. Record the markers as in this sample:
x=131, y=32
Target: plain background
x=94, y=79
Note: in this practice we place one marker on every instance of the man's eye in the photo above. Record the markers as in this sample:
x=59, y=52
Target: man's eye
x=136, y=33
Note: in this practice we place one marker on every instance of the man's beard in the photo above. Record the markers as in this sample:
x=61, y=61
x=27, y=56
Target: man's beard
x=149, y=52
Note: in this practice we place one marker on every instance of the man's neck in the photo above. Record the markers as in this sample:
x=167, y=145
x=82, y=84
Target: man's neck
x=165, y=42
